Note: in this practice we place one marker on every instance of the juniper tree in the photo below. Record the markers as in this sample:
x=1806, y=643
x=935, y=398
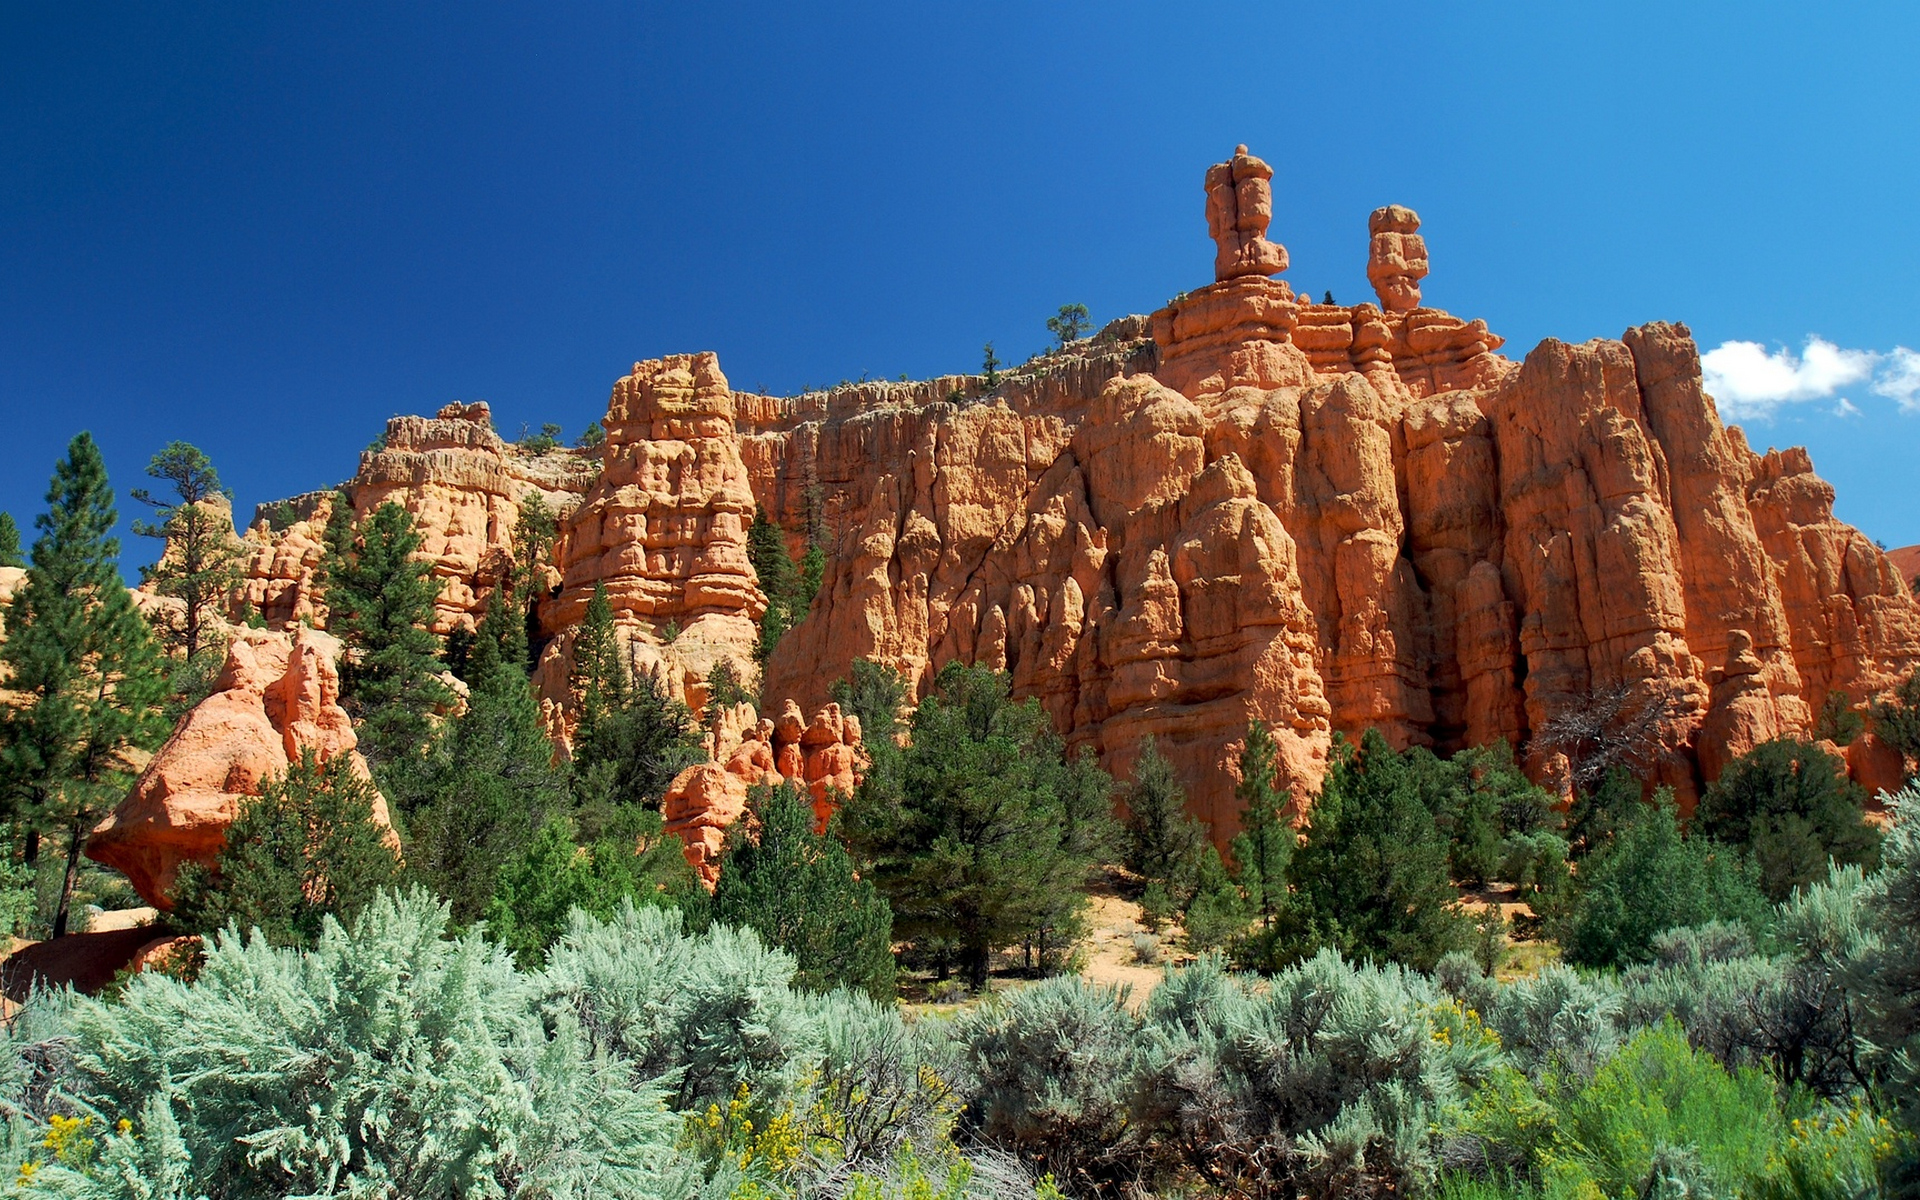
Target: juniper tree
x=304, y=849
x=379, y=601
x=1790, y=806
x=199, y=556
x=799, y=891
x=85, y=667
x=10, y=555
x=1897, y=718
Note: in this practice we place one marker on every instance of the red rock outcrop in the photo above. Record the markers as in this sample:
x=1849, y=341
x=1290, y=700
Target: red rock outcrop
x=1396, y=257
x=1336, y=518
x=664, y=531
x=277, y=696
x=824, y=755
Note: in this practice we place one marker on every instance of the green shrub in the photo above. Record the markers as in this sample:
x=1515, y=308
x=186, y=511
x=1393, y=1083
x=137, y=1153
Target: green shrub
x=1789, y=806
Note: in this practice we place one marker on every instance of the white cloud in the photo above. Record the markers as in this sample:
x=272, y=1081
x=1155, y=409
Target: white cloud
x=1749, y=382
x=1900, y=379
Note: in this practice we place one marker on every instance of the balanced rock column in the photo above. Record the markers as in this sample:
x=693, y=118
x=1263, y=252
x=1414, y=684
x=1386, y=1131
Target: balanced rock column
x=1396, y=257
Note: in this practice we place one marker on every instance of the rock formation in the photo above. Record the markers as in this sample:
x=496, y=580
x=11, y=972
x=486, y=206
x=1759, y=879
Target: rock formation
x=824, y=755
x=277, y=696
x=1247, y=505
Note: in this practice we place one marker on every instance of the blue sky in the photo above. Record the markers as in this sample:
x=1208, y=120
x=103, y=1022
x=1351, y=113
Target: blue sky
x=265, y=228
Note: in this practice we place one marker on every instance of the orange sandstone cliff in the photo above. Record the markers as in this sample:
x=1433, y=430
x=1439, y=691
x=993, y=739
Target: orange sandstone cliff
x=1247, y=505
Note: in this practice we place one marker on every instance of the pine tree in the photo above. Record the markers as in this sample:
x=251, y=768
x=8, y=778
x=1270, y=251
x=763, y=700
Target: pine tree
x=798, y=890
x=306, y=847
x=599, y=679
x=1263, y=849
x=628, y=756
x=481, y=795
x=1371, y=878
x=379, y=601
x=501, y=639
x=875, y=693
x=10, y=555
x=199, y=557
x=982, y=836
x=1164, y=844
x=1069, y=324
x=1789, y=805
x=767, y=550
x=86, y=666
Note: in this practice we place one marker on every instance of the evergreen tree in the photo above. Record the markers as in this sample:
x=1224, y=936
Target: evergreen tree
x=200, y=556
x=1218, y=911
x=10, y=555
x=501, y=639
x=85, y=667
x=628, y=756
x=1069, y=324
x=537, y=889
x=599, y=677
x=1897, y=719
x=1263, y=849
x=379, y=601
x=1164, y=844
x=724, y=691
x=305, y=848
x=798, y=890
x=477, y=800
x=1790, y=806
x=983, y=835
x=1890, y=976
x=875, y=693
x=990, y=365
x=1649, y=879
x=1485, y=806
x=1371, y=878
x=767, y=550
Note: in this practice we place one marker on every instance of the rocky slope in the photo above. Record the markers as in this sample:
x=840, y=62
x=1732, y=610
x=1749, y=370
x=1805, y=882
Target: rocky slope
x=1247, y=505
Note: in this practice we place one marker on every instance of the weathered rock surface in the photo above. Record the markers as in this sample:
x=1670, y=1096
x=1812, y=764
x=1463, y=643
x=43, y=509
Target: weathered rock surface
x=1247, y=505
x=824, y=755
x=277, y=696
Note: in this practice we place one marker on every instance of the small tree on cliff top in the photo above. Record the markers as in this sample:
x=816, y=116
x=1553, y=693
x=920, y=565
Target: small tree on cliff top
x=1073, y=321
x=10, y=542
x=199, y=557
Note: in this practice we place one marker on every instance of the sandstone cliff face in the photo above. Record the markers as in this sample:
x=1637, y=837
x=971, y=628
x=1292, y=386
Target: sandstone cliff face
x=1247, y=505
x=277, y=696
x=462, y=484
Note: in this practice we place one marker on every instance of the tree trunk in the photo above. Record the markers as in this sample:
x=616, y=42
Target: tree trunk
x=977, y=958
x=31, y=854
x=75, y=840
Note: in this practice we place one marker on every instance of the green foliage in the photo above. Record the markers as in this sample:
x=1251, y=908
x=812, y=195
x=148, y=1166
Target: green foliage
x=1371, y=878
x=386, y=1061
x=1789, y=806
x=85, y=668
x=200, y=556
x=544, y=442
x=1897, y=718
x=798, y=890
x=990, y=365
x=500, y=643
x=379, y=600
x=1164, y=844
x=599, y=679
x=628, y=756
x=632, y=861
x=17, y=900
x=305, y=849
x=480, y=795
x=1649, y=879
x=1889, y=972
x=1217, y=911
x=875, y=693
x=724, y=690
x=984, y=835
x=1490, y=812
x=10, y=555
x=1070, y=324
x=592, y=436
x=1263, y=849
x=789, y=587
x=1839, y=722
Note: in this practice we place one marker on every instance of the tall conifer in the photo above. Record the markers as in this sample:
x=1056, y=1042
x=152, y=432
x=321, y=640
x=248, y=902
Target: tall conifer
x=87, y=666
x=10, y=555
x=1264, y=846
x=379, y=600
x=199, y=555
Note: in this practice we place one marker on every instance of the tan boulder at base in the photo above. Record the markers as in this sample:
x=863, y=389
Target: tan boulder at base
x=277, y=697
